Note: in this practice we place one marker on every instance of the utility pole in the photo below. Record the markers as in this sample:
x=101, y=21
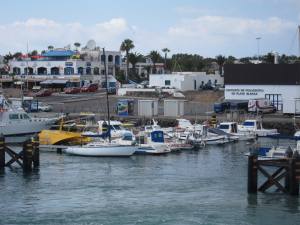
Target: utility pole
x=258, y=39
x=299, y=40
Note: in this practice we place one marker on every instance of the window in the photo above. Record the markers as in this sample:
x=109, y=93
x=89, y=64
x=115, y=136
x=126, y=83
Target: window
x=13, y=116
x=167, y=82
x=26, y=117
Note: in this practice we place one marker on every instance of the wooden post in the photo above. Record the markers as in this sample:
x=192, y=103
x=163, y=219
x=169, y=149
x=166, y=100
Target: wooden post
x=36, y=151
x=293, y=182
x=252, y=173
x=27, y=156
x=2, y=151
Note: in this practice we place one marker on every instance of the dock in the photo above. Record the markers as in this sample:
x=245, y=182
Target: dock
x=285, y=178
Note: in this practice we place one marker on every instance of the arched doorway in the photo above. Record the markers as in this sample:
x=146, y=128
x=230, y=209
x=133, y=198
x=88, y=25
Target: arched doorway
x=69, y=70
x=110, y=58
x=88, y=71
x=117, y=60
x=80, y=70
x=17, y=70
x=55, y=71
x=42, y=71
x=28, y=71
x=96, y=71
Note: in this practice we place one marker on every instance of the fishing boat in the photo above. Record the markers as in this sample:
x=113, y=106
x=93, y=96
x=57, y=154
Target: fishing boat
x=231, y=128
x=152, y=143
x=256, y=127
x=17, y=125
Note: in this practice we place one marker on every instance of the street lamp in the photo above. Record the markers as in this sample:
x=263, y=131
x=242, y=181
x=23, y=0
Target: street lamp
x=258, y=39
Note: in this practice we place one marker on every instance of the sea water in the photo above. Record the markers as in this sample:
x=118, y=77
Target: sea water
x=208, y=186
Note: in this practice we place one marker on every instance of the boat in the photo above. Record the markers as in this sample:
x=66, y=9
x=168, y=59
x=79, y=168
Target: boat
x=116, y=127
x=17, y=125
x=61, y=137
x=152, y=143
x=256, y=127
x=204, y=137
x=231, y=128
x=104, y=147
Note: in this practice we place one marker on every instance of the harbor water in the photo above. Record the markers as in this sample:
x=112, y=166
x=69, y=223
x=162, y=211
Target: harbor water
x=208, y=186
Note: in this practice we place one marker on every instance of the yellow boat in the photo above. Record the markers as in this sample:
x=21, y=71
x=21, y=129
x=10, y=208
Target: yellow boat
x=61, y=137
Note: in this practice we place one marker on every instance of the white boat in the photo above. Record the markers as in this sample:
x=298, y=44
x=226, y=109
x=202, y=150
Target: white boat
x=152, y=143
x=256, y=127
x=102, y=149
x=116, y=129
x=204, y=137
x=231, y=128
x=15, y=122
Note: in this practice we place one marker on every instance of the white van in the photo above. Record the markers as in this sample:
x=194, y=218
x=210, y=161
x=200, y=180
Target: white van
x=261, y=106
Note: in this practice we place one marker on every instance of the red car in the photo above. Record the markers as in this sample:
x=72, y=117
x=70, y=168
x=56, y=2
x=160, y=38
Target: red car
x=43, y=93
x=90, y=88
x=72, y=90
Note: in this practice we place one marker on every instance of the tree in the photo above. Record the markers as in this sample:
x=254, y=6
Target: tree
x=166, y=51
x=220, y=61
x=155, y=58
x=50, y=47
x=126, y=46
x=230, y=60
x=134, y=58
x=77, y=45
x=269, y=58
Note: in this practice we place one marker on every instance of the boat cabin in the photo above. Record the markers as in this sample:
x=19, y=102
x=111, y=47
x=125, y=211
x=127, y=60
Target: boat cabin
x=229, y=127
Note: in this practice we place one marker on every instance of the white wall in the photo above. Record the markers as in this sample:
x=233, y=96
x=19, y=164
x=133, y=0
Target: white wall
x=246, y=92
x=184, y=81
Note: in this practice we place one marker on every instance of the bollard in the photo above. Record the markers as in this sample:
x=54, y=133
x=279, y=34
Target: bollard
x=2, y=151
x=293, y=182
x=252, y=173
x=27, y=156
x=36, y=151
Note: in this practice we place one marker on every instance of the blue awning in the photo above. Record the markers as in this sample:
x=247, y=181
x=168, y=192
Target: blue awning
x=58, y=53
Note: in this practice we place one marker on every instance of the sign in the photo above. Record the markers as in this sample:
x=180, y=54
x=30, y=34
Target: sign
x=244, y=92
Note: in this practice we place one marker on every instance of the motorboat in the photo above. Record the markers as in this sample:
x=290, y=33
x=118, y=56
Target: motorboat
x=15, y=122
x=116, y=129
x=231, y=128
x=256, y=127
x=152, y=143
x=204, y=137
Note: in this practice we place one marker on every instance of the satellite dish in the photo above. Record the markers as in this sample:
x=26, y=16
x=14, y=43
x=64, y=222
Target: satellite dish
x=91, y=44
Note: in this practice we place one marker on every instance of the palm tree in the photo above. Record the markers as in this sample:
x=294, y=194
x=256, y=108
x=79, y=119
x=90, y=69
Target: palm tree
x=50, y=47
x=220, y=61
x=165, y=50
x=77, y=45
x=134, y=58
x=126, y=46
x=155, y=57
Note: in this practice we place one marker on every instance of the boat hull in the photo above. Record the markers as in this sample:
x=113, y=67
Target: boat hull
x=105, y=150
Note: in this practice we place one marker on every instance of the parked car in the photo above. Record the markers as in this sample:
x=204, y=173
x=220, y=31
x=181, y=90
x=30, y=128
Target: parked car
x=40, y=107
x=72, y=90
x=43, y=93
x=90, y=88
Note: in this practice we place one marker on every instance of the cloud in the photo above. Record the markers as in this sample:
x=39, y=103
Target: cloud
x=205, y=35
x=41, y=32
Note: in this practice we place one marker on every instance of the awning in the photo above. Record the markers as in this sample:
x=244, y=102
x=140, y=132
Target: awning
x=54, y=82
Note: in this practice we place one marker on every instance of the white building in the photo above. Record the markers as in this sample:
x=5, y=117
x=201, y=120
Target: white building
x=88, y=63
x=280, y=83
x=185, y=81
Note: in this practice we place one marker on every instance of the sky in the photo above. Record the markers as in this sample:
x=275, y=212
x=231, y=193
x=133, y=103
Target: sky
x=204, y=27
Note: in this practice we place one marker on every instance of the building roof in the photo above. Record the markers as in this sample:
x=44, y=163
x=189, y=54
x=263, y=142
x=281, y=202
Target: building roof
x=262, y=74
x=58, y=53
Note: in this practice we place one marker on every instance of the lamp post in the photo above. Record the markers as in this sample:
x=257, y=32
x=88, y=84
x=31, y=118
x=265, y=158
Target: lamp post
x=258, y=39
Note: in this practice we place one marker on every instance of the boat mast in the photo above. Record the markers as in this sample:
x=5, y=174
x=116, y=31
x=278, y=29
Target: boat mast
x=107, y=102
